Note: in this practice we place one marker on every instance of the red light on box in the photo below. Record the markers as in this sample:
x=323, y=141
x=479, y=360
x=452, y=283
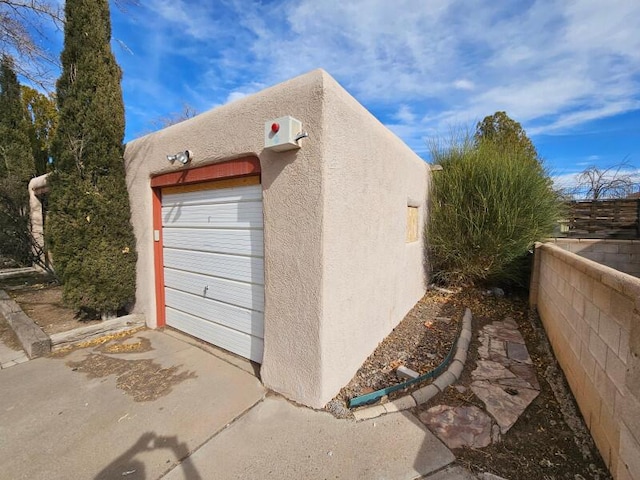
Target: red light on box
x=275, y=127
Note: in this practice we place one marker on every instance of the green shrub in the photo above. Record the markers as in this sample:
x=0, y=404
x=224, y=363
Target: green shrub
x=490, y=203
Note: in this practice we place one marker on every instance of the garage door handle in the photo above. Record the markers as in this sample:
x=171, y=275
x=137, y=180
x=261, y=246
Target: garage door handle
x=206, y=287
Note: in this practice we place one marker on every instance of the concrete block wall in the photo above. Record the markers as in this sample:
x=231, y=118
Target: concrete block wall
x=622, y=255
x=591, y=315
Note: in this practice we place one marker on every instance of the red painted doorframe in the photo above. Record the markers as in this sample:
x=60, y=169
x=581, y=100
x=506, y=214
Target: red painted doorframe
x=241, y=167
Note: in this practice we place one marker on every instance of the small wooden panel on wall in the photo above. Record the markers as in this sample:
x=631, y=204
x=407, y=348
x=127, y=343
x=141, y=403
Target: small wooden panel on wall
x=412, y=224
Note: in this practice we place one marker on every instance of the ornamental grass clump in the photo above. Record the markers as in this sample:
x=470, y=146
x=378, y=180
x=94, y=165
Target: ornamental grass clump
x=490, y=203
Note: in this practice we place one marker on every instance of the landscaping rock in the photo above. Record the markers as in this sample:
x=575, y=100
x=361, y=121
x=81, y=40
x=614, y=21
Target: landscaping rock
x=504, y=378
x=489, y=370
x=459, y=426
x=505, y=407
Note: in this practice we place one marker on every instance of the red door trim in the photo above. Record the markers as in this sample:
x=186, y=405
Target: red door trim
x=241, y=167
x=158, y=260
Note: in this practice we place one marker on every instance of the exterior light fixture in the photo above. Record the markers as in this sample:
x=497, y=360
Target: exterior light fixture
x=181, y=157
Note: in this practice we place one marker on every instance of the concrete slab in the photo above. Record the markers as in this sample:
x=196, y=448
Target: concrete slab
x=276, y=439
x=10, y=357
x=60, y=423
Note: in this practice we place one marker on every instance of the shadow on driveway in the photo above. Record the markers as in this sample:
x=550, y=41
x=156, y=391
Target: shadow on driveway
x=99, y=412
x=127, y=465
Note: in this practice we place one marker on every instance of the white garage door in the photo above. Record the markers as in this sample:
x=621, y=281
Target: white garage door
x=214, y=265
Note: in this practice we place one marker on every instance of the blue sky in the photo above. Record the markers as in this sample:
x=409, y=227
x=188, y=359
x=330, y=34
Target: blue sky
x=568, y=71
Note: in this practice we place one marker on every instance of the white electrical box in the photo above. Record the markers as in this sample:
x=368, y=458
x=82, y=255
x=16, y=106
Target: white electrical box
x=280, y=134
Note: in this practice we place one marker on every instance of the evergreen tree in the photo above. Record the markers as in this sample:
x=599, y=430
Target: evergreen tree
x=16, y=168
x=15, y=150
x=42, y=113
x=502, y=130
x=89, y=227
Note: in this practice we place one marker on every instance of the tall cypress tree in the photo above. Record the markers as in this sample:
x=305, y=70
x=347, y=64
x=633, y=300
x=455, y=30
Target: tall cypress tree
x=16, y=168
x=89, y=227
x=16, y=158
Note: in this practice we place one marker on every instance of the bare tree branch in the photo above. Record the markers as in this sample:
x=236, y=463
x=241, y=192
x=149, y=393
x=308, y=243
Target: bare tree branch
x=22, y=32
x=617, y=181
x=165, y=121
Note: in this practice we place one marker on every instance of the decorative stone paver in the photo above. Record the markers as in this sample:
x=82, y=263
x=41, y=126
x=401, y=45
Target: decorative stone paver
x=489, y=370
x=503, y=403
x=528, y=373
x=459, y=426
x=518, y=352
x=504, y=378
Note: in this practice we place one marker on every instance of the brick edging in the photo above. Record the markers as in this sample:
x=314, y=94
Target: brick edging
x=426, y=393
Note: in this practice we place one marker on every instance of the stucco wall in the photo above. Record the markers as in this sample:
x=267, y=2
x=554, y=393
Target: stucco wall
x=37, y=186
x=372, y=277
x=590, y=313
x=622, y=255
x=309, y=344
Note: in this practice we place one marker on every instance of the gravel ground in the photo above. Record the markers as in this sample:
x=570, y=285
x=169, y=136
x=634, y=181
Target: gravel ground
x=420, y=342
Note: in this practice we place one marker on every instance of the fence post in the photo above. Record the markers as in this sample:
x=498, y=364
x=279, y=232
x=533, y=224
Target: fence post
x=638, y=218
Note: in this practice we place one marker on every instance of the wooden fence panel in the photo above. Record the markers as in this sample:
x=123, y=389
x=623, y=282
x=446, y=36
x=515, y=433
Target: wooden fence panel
x=602, y=219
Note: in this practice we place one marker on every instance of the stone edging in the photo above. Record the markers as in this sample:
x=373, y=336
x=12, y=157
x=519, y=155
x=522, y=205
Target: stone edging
x=426, y=393
x=106, y=327
x=34, y=341
x=37, y=343
x=16, y=272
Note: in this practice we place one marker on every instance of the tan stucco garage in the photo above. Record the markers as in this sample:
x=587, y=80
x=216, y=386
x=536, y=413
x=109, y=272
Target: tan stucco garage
x=304, y=260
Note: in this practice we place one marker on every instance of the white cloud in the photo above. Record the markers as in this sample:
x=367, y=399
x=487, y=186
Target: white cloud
x=405, y=114
x=463, y=84
x=563, y=62
x=552, y=65
x=565, y=182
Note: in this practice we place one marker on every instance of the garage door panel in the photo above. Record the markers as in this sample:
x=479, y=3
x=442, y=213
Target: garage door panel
x=225, y=215
x=237, y=342
x=237, y=242
x=237, y=318
x=232, y=267
x=240, y=294
x=233, y=194
x=212, y=237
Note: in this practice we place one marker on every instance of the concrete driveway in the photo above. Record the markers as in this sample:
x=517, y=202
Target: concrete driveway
x=156, y=405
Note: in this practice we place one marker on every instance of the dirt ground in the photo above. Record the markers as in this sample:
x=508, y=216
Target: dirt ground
x=43, y=303
x=421, y=342
x=549, y=441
